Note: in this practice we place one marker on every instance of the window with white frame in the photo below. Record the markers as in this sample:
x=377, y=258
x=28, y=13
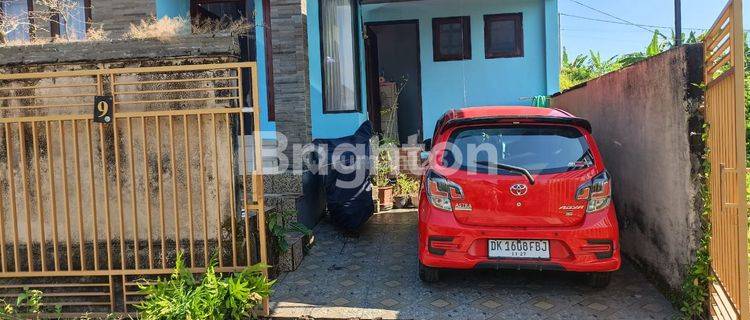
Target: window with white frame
x=338, y=40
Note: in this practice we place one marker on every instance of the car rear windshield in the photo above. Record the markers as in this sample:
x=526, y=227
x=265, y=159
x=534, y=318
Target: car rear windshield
x=536, y=148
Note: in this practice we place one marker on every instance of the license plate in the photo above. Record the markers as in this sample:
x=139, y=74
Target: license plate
x=519, y=249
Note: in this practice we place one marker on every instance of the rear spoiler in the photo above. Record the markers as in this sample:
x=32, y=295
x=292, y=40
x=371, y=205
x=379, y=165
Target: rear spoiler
x=521, y=119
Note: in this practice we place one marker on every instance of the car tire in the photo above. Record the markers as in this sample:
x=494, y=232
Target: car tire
x=598, y=279
x=428, y=274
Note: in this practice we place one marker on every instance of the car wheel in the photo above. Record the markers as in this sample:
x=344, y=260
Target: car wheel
x=599, y=279
x=428, y=274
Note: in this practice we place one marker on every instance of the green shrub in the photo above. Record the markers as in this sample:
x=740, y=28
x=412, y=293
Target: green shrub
x=405, y=185
x=694, y=299
x=28, y=306
x=181, y=296
x=279, y=225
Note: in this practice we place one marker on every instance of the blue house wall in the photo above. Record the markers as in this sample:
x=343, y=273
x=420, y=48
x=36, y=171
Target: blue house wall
x=329, y=125
x=453, y=84
x=181, y=8
x=445, y=85
x=172, y=8
x=268, y=127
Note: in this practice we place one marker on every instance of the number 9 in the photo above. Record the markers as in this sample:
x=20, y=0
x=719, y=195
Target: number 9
x=103, y=108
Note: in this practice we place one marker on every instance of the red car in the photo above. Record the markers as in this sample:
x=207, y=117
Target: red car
x=516, y=188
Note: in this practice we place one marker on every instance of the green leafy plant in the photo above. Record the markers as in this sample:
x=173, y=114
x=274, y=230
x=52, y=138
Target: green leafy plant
x=747, y=134
x=28, y=306
x=406, y=185
x=747, y=102
x=182, y=296
x=384, y=164
x=280, y=224
x=32, y=299
x=8, y=310
x=695, y=296
x=586, y=67
x=695, y=293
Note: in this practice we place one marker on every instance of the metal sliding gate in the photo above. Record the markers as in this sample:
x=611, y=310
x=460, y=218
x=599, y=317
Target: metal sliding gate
x=725, y=114
x=105, y=175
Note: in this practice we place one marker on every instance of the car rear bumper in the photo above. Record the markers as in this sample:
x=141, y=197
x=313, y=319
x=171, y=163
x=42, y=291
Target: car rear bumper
x=445, y=243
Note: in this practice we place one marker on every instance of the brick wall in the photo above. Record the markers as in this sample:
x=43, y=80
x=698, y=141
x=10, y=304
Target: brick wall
x=409, y=161
x=291, y=70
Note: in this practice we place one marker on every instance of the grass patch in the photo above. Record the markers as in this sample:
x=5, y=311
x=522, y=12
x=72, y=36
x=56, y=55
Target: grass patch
x=167, y=28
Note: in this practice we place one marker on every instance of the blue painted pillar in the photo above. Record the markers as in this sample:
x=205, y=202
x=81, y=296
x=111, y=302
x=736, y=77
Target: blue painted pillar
x=172, y=8
x=268, y=127
x=552, y=45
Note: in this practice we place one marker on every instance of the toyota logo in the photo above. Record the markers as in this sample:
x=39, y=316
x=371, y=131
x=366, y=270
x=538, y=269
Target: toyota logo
x=519, y=189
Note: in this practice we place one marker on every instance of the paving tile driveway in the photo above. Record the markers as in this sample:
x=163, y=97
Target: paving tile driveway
x=375, y=276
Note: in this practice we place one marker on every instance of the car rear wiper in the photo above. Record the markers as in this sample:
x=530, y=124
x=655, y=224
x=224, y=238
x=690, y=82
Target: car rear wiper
x=508, y=167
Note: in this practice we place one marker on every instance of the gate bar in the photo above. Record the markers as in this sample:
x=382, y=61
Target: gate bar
x=738, y=54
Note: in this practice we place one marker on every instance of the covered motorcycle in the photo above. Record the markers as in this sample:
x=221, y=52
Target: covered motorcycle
x=344, y=166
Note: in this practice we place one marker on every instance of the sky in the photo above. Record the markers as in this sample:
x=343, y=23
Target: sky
x=580, y=34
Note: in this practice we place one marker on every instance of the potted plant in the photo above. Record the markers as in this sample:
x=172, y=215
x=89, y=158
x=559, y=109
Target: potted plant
x=406, y=187
x=382, y=179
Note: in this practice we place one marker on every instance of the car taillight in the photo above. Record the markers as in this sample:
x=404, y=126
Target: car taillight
x=440, y=191
x=598, y=192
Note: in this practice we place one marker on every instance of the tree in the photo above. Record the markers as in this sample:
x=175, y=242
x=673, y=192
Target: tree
x=46, y=13
x=587, y=67
x=574, y=72
x=9, y=22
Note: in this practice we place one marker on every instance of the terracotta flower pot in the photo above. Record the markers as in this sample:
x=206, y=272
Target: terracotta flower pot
x=385, y=197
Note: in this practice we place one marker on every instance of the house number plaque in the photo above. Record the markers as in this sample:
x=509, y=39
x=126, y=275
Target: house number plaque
x=103, y=112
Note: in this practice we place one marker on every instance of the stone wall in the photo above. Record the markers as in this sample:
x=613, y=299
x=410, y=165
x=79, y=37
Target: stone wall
x=291, y=71
x=647, y=121
x=103, y=51
x=115, y=16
